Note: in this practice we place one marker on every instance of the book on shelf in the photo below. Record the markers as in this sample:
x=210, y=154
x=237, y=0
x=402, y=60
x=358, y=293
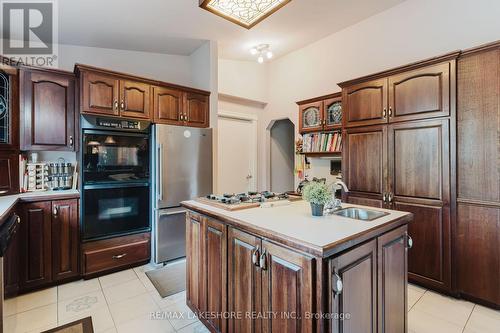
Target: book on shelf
x=322, y=142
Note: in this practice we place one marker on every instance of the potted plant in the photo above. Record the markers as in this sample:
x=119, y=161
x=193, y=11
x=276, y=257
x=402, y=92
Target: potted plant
x=317, y=194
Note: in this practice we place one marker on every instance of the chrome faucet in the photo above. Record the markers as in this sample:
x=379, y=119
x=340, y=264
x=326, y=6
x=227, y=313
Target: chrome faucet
x=335, y=204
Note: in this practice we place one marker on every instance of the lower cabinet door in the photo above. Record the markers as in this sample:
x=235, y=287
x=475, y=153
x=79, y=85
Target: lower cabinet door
x=11, y=267
x=36, y=252
x=65, y=239
x=287, y=290
x=354, y=283
x=392, y=281
x=216, y=268
x=244, y=282
x=195, y=279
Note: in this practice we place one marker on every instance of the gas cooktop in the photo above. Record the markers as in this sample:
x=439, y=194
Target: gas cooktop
x=233, y=201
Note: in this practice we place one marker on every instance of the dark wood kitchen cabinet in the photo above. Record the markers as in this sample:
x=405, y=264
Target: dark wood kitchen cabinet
x=135, y=99
x=65, y=239
x=36, y=251
x=48, y=110
x=194, y=261
x=418, y=91
x=196, y=110
x=167, y=106
x=9, y=172
x=365, y=165
x=357, y=274
x=49, y=243
x=108, y=93
x=321, y=113
x=99, y=94
x=477, y=240
x=11, y=264
x=365, y=103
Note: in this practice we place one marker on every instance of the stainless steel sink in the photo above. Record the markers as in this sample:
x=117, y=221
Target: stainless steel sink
x=360, y=213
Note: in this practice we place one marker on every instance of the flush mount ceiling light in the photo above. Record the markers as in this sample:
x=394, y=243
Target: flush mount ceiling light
x=263, y=51
x=246, y=13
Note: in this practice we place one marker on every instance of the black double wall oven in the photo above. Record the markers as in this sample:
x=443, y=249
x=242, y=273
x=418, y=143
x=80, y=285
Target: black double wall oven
x=116, y=177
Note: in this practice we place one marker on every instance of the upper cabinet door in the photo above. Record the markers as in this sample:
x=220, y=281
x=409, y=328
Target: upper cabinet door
x=196, y=110
x=311, y=117
x=99, y=94
x=48, y=113
x=167, y=106
x=134, y=99
x=422, y=93
x=333, y=113
x=365, y=103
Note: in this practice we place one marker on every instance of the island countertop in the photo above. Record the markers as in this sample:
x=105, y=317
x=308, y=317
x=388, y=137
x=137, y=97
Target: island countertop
x=294, y=226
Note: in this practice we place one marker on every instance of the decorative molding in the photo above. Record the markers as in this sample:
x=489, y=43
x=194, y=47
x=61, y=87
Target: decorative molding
x=241, y=100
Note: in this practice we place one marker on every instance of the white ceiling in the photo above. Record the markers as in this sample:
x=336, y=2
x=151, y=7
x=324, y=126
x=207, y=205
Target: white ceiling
x=180, y=26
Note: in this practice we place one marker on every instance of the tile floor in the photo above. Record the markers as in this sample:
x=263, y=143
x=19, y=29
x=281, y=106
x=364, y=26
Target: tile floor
x=124, y=301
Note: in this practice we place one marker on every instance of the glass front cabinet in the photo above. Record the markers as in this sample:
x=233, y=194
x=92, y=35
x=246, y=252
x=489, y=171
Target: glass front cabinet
x=8, y=118
x=320, y=114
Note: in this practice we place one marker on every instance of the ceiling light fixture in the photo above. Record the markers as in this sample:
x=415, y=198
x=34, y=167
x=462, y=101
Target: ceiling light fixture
x=246, y=13
x=263, y=50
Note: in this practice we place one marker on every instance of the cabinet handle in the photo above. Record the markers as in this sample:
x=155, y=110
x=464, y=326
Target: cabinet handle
x=18, y=220
x=181, y=117
x=71, y=140
x=122, y=105
x=384, y=113
x=4, y=191
x=56, y=210
x=390, y=197
x=337, y=283
x=410, y=242
x=186, y=117
x=119, y=256
x=384, y=197
x=263, y=260
x=255, y=256
x=390, y=111
x=115, y=105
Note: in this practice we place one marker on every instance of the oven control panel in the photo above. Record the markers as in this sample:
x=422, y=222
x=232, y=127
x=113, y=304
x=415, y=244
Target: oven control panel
x=117, y=123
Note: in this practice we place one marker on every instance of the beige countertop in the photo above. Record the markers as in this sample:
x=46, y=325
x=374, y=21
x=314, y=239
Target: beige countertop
x=295, y=223
x=7, y=202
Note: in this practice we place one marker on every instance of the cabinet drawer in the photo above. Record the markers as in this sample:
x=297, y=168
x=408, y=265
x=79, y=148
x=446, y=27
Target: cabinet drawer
x=108, y=258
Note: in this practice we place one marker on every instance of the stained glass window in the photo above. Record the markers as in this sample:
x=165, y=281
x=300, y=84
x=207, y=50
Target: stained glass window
x=4, y=108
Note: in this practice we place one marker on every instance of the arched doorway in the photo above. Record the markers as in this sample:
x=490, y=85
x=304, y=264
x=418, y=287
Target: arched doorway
x=282, y=155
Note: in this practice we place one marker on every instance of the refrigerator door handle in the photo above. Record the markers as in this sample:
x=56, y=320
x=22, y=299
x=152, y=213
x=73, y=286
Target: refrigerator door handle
x=160, y=172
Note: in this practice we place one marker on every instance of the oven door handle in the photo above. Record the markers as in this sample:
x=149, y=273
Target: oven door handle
x=160, y=172
x=176, y=212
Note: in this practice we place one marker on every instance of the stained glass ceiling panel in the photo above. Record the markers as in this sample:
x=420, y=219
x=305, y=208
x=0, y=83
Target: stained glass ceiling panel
x=246, y=13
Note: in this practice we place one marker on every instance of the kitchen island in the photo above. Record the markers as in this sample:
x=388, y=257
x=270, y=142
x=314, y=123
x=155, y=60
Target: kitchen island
x=281, y=270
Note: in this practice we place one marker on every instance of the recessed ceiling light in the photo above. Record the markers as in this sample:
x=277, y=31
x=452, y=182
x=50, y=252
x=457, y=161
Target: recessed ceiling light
x=246, y=13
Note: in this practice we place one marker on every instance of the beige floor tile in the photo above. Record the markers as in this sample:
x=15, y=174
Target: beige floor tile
x=452, y=310
x=81, y=305
x=124, y=290
x=41, y=317
x=30, y=301
x=101, y=319
x=168, y=301
x=416, y=288
x=77, y=288
x=422, y=322
x=180, y=315
x=132, y=308
x=197, y=327
x=117, y=278
x=179, y=297
x=414, y=296
x=483, y=320
x=145, y=323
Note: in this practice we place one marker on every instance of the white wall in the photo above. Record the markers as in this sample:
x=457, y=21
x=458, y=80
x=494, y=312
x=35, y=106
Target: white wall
x=411, y=31
x=244, y=79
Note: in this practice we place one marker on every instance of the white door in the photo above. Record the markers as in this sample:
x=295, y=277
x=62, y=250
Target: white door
x=237, y=155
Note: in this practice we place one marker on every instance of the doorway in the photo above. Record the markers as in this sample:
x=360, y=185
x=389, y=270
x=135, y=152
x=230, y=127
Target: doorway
x=237, y=153
x=282, y=153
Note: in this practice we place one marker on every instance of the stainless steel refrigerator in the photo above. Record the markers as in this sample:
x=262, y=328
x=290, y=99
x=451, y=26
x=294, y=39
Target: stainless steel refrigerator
x=182, y=170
